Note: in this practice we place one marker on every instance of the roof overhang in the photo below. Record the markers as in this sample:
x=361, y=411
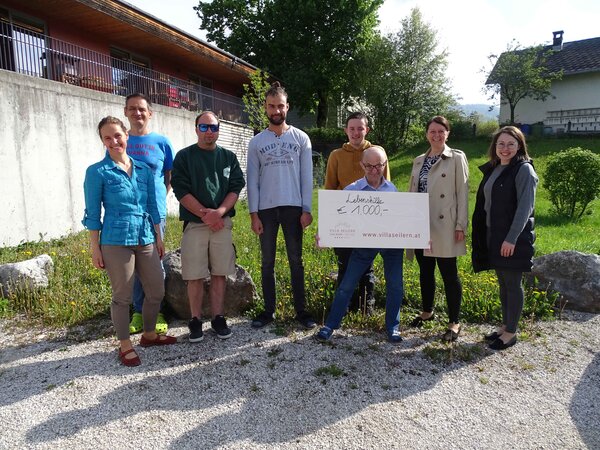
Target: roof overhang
x=144, y=34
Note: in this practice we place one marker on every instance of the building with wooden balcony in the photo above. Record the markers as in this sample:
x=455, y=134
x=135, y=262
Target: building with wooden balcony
x=65, y=64
x=113, y=47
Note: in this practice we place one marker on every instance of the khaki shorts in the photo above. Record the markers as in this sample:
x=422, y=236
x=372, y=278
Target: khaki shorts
x=205, y=252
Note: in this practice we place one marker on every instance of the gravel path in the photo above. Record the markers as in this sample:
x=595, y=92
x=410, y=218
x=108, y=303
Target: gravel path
x=261, y=390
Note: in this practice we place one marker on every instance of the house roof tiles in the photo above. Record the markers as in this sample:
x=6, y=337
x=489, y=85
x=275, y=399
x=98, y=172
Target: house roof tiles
x=576, y=57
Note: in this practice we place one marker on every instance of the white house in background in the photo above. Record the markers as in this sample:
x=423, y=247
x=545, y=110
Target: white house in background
x=575, y=107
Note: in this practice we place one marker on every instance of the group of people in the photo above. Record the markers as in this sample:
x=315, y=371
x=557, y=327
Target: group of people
x=502, y=228
x=132, y=181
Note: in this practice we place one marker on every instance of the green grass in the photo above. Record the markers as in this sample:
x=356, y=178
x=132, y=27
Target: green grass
x=331, y=370
x=78, y=292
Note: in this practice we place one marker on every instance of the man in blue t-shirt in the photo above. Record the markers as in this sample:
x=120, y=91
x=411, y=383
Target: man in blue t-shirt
x=155, y=150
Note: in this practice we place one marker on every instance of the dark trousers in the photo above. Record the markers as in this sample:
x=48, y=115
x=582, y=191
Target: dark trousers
x=452, y=286
x=364, y=295
x=289, y=219
x=511, y=297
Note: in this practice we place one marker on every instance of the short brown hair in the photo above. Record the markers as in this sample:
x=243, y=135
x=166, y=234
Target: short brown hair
x=139, y=95
x=203, y=113
x=358, y=115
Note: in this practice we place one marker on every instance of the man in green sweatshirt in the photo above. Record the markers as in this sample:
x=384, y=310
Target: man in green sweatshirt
x=207, y=180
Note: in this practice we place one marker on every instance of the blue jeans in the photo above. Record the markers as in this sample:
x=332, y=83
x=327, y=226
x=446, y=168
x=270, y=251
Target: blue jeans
x=360, y=260
x=289, y=219
x=364, y=295
x=138, y=291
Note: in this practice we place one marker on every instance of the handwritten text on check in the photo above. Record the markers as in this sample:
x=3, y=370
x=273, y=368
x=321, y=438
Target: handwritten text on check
x=370, y=219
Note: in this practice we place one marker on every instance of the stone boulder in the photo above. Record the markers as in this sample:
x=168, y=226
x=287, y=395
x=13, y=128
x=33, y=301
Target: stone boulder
x=240, y=290
x=28, y=275
x=575, y=275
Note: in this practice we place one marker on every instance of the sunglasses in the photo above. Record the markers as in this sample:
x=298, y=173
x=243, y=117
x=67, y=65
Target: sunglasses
x=203, y=127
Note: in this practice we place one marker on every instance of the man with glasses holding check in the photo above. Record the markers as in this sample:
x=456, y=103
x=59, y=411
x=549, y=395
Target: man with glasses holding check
x=344, y=168
x=207, y=180
x=374, y=164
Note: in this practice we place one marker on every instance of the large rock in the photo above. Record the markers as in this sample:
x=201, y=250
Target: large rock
x=240, y=291
x=25, y=276
x=575, y=275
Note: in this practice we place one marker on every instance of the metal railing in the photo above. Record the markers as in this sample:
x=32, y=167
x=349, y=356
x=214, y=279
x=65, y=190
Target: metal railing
x=31, y=53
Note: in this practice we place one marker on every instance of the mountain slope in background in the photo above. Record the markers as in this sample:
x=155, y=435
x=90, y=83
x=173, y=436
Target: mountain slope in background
x=482, y=109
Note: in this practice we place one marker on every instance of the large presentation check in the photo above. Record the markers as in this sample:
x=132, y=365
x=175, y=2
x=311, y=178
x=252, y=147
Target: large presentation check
x=370, y=219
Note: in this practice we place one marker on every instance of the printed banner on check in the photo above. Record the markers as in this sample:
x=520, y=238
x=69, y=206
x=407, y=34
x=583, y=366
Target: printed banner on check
x=371, y=219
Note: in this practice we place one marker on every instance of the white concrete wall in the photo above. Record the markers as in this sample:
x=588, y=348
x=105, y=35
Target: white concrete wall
x=47, y=140
x=573, y=92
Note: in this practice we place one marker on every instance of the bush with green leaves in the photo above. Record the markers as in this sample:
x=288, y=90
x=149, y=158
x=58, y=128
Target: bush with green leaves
x=487, y=129
x=326, y=134
x=254, y=100
x=461, y=129
x=572, y=179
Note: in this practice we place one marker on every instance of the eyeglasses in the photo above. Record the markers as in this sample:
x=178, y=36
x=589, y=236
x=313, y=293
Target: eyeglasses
x=375, y=166
x=508, y=146
x=203, y=127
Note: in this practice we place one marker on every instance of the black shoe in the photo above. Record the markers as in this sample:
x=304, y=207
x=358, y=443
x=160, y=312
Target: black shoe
x=492, y=336
x=451, y=335
x=195, y=326
x=498, y=344
x=264, y=318
x=418, y=321
x=306, y=320
x=219, y=325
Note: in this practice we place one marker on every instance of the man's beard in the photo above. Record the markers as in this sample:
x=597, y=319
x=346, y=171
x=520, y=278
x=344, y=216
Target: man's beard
x=278, y=120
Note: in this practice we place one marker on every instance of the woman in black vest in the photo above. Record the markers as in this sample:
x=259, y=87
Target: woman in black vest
x=503, y=225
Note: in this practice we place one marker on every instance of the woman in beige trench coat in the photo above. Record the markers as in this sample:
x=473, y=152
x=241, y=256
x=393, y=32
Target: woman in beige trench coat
x=443, y=173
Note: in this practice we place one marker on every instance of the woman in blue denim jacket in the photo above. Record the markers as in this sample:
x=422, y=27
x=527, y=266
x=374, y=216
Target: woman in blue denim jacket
x=127, y=238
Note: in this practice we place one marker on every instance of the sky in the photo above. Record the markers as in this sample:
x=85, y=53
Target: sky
x=469, y=30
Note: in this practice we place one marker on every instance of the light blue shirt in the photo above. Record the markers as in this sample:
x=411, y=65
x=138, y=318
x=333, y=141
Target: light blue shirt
x=129, y=203
x=363, y=185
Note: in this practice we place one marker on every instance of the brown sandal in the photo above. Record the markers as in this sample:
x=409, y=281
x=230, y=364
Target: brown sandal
x=129, y=362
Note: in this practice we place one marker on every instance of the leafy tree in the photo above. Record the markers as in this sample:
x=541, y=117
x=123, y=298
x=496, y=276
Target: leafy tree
x=519, y=73
x=254, y=100
x=311, y=46
x=404, y=82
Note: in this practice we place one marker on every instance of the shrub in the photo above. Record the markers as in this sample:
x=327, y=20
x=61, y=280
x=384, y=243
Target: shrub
x=254, y=100
x=461, y=129
x=572, y=179
x=487, y=129
x=319, y=170
x=326, y=134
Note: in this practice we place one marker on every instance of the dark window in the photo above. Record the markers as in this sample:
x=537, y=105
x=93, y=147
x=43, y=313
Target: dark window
x=130, y=71
x=203, y=93
x=22, y=44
